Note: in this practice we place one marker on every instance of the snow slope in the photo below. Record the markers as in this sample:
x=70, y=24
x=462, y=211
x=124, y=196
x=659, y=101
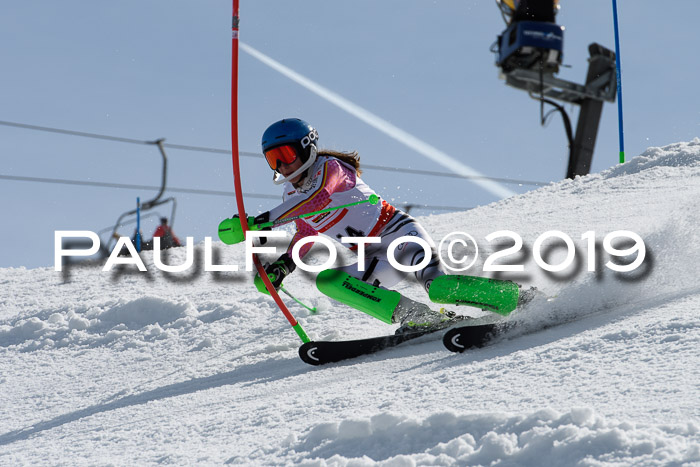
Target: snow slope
x=198, y=368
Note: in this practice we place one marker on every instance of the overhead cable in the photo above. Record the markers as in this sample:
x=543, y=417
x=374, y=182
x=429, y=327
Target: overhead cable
x=257, y=155
x=129, y=186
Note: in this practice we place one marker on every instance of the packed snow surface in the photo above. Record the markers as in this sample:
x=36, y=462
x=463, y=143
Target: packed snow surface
x=129, y=367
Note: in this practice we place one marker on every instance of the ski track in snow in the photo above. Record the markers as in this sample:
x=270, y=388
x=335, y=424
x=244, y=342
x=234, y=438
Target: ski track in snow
x=134, y=368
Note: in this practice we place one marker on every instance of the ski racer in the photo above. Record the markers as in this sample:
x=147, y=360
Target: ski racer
x=319, y=179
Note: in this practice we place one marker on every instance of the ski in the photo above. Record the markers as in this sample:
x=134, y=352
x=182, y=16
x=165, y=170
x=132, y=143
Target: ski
x=462, y=338
x=479, y=334
x=322, y=352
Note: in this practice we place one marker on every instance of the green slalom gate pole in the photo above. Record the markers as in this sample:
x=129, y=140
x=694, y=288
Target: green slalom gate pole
x=372, y=199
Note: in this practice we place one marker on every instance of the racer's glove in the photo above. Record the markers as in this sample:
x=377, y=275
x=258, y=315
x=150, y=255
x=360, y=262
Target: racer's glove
x=230, y=231
x=276, y=272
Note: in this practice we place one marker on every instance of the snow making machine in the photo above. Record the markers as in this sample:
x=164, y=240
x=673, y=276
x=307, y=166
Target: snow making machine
x=529, y=53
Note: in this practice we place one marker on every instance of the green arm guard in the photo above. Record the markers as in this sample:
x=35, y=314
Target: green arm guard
x=231, y=232
x=260, y=285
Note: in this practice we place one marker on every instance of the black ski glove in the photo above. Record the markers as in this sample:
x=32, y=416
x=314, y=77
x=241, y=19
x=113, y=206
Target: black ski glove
x=261, y=219
x=276, y=272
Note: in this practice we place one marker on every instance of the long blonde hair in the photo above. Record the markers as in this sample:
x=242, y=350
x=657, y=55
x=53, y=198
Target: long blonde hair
x=350, y=158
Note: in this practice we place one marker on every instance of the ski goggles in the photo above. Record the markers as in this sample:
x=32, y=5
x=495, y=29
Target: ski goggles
x=281, y=155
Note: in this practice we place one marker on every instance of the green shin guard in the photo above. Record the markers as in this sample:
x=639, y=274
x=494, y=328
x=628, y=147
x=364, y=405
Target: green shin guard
x=376, y=302
x=494, y=295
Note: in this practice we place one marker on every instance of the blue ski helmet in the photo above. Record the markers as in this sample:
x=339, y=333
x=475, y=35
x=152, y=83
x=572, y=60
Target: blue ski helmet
x=294, y=132
x=289, y=130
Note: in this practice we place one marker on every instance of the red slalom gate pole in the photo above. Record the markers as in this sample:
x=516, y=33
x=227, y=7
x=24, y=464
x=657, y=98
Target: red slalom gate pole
x=237, y=175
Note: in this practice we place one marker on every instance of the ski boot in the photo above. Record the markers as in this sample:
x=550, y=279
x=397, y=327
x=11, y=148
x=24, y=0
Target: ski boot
x=416, y=316
x=526, y=296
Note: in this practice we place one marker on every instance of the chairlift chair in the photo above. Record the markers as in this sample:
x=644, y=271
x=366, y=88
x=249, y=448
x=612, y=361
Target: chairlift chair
x=107, y=246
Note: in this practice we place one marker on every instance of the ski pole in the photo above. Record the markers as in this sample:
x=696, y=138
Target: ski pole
x=313, y=310
x=373, y=199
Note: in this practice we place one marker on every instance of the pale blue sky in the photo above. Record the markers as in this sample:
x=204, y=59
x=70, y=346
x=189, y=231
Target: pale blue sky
x=146, y=70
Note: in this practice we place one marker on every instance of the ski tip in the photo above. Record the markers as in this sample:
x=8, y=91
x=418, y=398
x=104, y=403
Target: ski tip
x=466, y=337
x=307, y=352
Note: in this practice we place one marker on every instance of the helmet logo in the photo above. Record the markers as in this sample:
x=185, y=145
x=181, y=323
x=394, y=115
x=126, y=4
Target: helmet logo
x=308, y=139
